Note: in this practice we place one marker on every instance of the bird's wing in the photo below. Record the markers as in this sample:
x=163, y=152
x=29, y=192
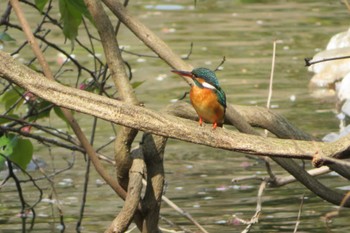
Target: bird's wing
x=221, y=96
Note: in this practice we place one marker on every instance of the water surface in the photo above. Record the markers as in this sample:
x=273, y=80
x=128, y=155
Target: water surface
x=199, y=178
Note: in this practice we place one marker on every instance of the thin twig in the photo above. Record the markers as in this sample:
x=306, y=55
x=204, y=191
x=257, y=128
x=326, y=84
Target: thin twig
x=6, y=15
x=280, y=181
x=255, y=218
x=87, y=174
x=73, y=123
x=268, y=104
x=271, y=74
x=309, y=62
x=221, y=63
x=299, y=214
x=55, y=194
x=180, y=211
x=26, y=208
x=189, y=52
x=183, y=213
x=244, y=178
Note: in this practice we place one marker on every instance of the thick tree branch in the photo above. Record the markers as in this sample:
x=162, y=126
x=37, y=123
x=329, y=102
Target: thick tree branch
x=116, y=66
x=153, y=150
x=126, y=135
x=121, y=222
x=160, y=124
x=164, y=125
x=255, y=116
x=147, y=36
x=164, y=52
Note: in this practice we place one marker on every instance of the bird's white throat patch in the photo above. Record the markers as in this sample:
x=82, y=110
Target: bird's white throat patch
x=207, y=85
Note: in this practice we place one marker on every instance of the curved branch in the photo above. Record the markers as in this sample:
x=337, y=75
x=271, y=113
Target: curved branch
x=321, y=190
x=163, y=124
x=153, y=150
x=255, y=116
x=147, y=36
x=163, y=51
x=160, y=124
x=116, y=66
x=124, y=218
x=126, y=135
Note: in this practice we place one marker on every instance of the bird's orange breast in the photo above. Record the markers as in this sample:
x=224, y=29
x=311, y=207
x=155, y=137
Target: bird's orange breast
x=206, y=104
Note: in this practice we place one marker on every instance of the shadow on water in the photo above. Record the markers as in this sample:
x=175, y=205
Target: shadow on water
x=199, y=178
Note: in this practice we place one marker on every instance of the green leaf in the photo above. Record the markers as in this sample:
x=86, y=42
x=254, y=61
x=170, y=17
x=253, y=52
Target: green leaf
x=60, y=114
x=5, y=149
x=40, y=4
x=5, y=120
x=72, y=12
x=81, y=7
x=43, y=109
x=5, y=37
x=136, y=84
x=11, y=97
x=17, y=149
x=22, y=153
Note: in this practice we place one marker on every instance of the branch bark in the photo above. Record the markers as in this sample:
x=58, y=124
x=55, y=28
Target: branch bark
x=164, y=52
x=121, y=222
x=125, y=135
x=162, y=124
x=126, y=93
x=147, y=37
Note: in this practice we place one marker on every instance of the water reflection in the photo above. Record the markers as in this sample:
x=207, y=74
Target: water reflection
x=199, y=178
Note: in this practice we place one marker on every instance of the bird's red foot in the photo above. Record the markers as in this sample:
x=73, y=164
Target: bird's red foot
x=200, y=121
x=215, y=125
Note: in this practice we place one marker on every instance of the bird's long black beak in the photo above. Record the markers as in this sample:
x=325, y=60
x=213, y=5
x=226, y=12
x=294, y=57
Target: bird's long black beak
x=183, y=73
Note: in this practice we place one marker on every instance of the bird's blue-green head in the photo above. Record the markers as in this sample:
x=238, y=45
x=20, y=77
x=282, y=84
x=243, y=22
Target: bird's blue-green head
x=205, y=78
x=206, y=74
x=200, y=75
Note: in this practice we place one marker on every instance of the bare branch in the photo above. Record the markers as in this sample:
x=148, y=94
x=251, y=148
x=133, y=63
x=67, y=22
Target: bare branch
x=160, y=124
x=299, y=214
x=122, y=221
x=73, y=123
x=255, y=217
x=147, y=36
x=169, y=126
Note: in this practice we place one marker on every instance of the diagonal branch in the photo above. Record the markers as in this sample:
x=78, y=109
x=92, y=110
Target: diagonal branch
x=116, y=67
x=160, y=124
x=73, y=123
x=166, y=125
x=164, y=52
x=147, y=36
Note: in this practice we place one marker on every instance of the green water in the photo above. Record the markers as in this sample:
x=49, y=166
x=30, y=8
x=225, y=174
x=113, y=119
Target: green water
x=199, y=178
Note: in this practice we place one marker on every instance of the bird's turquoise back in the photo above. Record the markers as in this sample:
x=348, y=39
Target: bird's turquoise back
x=221, y=96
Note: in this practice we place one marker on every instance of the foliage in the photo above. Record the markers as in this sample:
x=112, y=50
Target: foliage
x=5, y=37
x=17, y=149
x=72, y=12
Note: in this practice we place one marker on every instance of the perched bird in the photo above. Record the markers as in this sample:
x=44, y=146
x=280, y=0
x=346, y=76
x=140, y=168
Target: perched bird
x=206, y=95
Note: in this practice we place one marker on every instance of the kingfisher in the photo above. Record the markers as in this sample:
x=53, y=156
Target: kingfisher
x=206, y=95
